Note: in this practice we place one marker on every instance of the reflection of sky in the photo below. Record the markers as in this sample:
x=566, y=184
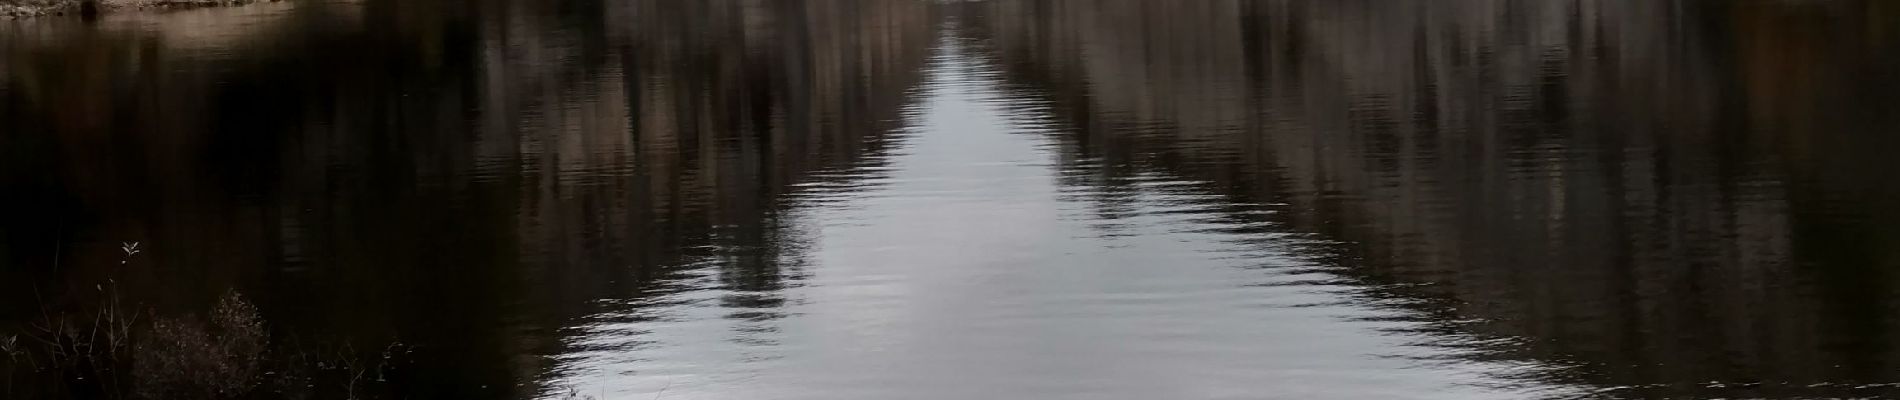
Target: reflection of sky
x=967, y=271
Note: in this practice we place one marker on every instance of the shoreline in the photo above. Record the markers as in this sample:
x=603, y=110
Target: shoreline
x=57, y=8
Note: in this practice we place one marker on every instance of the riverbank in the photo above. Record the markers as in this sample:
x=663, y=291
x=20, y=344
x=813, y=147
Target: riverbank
x=36, y=8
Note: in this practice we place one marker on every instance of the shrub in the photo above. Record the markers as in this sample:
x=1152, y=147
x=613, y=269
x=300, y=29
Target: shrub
x=214, y=357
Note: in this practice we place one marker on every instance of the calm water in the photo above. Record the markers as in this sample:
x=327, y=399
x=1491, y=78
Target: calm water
x=1047, y=199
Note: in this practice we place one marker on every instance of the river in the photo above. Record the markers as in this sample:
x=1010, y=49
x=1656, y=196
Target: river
x=1049, y=199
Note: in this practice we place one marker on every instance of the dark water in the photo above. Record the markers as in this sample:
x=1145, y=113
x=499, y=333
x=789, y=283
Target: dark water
x=1049, y=199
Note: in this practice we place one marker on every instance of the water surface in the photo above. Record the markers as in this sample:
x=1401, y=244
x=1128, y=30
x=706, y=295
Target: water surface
x=872, y=199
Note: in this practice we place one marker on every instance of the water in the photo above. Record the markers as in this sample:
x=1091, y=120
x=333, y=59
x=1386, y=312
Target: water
x=871, y=199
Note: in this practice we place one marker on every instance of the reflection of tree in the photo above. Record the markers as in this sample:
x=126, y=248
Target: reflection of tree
x=1572, y=173
x=467, y=177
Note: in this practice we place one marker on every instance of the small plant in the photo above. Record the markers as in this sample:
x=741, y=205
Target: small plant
x=68, y=348
x=11, y=346
x=130, y=249
x=107, y=349
x=334, y=369
x=216, y=357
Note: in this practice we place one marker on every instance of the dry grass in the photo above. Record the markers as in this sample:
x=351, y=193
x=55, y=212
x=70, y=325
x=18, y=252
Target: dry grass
x=95, y=346
x=35, y=8
x=218, y=356
x=107, y=349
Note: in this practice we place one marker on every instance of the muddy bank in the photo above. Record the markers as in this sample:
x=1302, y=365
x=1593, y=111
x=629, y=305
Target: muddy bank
x=36, y=8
